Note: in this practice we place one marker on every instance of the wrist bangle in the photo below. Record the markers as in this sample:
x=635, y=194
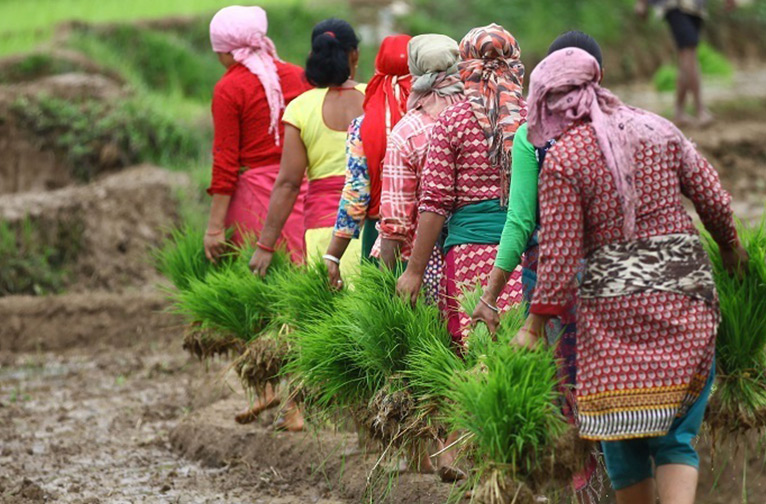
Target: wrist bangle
x=493, y=308
x=331, y=258
x=213, y=233
x=264, y=247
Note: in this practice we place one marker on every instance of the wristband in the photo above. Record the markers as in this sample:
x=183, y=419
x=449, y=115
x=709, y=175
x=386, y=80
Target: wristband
x=264, y=247
x=331, y=258
x=493, y=308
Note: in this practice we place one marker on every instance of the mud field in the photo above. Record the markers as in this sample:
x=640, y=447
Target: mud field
x=99, y=403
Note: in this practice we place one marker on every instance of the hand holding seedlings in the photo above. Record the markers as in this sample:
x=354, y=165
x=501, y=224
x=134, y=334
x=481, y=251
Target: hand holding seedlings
x=260, y=262
x=215, y=244
x=529, y=335
x=408, y=286
x=333, y=274
x=485, y=313
x=735, y=260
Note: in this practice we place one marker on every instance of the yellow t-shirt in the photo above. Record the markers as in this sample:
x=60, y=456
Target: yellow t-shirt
x=325, y=147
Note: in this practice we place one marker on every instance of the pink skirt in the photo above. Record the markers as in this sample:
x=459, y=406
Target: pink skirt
x=465, y=266
x=250, y=204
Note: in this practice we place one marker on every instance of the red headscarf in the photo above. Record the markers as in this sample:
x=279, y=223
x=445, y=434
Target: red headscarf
x=385, y=102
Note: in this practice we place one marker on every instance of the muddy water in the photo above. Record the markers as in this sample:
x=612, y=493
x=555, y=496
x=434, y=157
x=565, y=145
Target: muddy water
x=91, y=425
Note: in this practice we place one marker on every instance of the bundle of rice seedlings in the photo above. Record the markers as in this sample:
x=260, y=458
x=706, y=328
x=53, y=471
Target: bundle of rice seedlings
x=181, y=257
x=303, y=295
x=355, y=358
x=504, y=401
x=520, y=443
x=738, y=403
x=229, y=306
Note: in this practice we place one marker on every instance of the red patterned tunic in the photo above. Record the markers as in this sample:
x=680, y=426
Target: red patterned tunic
x=637, y=351
x=457, y=172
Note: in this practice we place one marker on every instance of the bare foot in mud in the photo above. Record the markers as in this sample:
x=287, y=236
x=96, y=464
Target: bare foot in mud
x=705, y=119
x=291, y=420
x=420, y=461
x=268, y=401
x=682, y=120
x=448, y=471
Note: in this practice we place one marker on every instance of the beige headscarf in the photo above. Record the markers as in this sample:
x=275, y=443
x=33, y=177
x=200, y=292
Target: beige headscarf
x=436, y=83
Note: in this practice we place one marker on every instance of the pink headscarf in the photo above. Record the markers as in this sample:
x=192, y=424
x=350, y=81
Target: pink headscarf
x=564, y=89
x=241, y=31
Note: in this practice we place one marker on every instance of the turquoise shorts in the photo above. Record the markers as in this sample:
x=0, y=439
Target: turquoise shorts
x=630, y=461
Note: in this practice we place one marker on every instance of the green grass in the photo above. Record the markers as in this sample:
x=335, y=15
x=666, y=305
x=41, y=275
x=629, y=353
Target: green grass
x=26, y=23
x=181, y=257
x=135, y=131
x=30, y=265
x=741, y=342
x=230, y=299
x=509, y=405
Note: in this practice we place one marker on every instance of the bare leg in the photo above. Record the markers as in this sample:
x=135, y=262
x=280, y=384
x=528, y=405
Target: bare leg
x=292, y=418
x=640, y=493
x=687, y=70
x=677, y=483
x=420, y=460
x=268, y=400
x=448, y=471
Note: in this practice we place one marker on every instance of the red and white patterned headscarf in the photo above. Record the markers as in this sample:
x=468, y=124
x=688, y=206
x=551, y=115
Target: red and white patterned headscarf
x=241, y=31
x=565, y=89
x=493, y=74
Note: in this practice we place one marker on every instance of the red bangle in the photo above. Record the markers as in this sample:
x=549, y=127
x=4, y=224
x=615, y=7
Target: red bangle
x=264, y=247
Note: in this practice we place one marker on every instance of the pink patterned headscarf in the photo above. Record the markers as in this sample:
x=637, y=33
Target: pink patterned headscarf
x=241, y=31
x=564, y=89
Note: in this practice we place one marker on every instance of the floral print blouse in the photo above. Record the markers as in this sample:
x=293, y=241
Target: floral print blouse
x=355, y=200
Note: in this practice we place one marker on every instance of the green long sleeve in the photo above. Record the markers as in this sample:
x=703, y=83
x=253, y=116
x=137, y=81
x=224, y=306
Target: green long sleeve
x=521, y=220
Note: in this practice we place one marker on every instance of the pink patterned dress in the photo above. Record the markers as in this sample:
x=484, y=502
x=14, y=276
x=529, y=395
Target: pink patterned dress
x=643, y=355
x=457, y=173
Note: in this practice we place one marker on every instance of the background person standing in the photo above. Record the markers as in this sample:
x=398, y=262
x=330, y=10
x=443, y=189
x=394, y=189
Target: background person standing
x=685, y=18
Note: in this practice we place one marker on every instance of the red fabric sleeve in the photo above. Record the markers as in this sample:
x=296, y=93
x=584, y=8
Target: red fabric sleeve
x=700, y=183
x=561, y=241
x=227, y=111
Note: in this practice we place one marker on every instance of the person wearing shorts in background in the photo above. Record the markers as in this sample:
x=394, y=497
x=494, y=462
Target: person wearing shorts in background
x=685, y=18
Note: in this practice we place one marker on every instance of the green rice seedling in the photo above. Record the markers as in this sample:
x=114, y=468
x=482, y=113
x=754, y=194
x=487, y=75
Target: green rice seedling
x=350, y=355
x=232, y=300
x=739, y=399
x=181, y=257
x=303, y=295
x=519, y=439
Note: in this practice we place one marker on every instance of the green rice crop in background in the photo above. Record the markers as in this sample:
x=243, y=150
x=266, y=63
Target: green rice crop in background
x=741, y=343
x=30, y=265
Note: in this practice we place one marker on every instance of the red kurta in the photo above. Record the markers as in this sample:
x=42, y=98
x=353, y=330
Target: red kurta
x=241, y=122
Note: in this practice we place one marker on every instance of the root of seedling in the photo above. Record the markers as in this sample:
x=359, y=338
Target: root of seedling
x=206, y=343
x=261, y=362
